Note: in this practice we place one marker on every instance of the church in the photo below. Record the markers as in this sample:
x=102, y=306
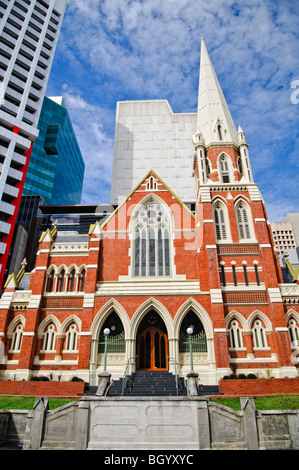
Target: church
x=182, y=275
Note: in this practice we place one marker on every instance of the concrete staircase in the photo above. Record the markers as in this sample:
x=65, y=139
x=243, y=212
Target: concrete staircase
x=152, y=384
x=149, y=383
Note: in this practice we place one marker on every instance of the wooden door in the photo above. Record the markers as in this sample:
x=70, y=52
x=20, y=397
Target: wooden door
x=152, y=349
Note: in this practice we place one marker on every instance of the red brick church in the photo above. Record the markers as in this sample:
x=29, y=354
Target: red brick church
x=155, y=268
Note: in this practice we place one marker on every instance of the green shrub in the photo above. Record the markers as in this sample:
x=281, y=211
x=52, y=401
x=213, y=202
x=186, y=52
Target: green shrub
x=40, y=379
x=76, y=379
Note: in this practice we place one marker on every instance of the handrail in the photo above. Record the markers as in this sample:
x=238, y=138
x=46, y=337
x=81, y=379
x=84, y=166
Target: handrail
x=125, y=376
x=176, y=375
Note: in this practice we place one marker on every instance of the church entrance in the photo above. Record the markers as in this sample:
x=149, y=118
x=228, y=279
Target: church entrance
x=152, y=343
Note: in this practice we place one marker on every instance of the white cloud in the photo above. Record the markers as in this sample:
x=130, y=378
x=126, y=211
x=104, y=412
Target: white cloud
x=128, y=49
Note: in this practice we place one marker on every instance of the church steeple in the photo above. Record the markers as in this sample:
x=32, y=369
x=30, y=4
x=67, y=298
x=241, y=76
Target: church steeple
x=214, y=120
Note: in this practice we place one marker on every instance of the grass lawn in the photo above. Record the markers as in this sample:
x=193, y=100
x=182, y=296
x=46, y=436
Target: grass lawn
x=26, y=403
x=264, y=403
x=261, y=403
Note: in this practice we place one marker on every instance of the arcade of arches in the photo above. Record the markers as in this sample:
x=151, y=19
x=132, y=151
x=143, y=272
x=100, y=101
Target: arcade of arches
x=152, y=342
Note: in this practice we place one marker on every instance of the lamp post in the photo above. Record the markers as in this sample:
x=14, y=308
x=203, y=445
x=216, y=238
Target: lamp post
x=190, y=333
x=106, y=333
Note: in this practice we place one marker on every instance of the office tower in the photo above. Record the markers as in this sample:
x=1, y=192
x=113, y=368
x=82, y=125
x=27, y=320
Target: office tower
x=283, y=235
x=56, y=168
x=293, y=218
x=29, y=31
x=23, y=239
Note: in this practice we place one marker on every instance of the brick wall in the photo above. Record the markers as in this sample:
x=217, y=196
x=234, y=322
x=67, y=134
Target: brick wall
x=251, y=387
x=39, y=389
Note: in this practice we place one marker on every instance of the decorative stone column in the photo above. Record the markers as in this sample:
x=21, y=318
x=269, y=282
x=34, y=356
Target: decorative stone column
x=192, y=383
x=104, y=381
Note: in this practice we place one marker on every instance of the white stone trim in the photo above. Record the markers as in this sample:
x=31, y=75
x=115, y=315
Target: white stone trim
x=34, y=301
x=88, y=301
x=247, y=360
x=148, y=286
x=274, y=294
x=205, y=194
x=216, y=296
x=6, y=300
x=254, y=193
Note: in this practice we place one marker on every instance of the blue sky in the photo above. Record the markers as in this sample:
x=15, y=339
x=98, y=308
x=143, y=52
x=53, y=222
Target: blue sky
x=114, y=50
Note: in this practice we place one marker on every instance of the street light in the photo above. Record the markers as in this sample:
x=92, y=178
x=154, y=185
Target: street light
x=190, y=333
x=106, y=333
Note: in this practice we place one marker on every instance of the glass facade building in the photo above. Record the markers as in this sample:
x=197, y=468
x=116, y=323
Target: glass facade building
x=56, y=167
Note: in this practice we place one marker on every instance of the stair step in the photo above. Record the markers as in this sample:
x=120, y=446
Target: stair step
x=149, y=383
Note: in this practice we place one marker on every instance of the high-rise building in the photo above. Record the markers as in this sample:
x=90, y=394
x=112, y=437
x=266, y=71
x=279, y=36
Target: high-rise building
x=22, y=245
x=283, y=236
x=56, y=167
x=293, y=218
x=29, y=31
x=155, y=273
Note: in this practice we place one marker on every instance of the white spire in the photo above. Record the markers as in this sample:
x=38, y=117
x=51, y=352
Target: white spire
x=214, y=120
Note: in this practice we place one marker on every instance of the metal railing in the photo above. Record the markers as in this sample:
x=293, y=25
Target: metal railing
x=199, y=343
x=115, y=344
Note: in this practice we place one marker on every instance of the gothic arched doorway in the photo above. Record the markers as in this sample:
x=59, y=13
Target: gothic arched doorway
x=152, y=343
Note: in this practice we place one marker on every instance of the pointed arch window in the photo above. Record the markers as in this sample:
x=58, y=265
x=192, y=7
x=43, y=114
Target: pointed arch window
x=219, y=132
x=240, y=166
x=293, y=332
x=49, y=338
x=259, y=335
x=199, y=339
x=243, y=220
x=71, y=281
x=235, y=333
x=116, y=340
x=151, y=184
x=220, y=222
x=17, y=338
x=71, y=337
x=151, y=238
x=224, y=169
x=208, y=167
x=60, y=282
x=50, y=281
x=82, y=281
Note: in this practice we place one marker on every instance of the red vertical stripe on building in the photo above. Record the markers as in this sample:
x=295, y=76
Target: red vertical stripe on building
x=12, y=219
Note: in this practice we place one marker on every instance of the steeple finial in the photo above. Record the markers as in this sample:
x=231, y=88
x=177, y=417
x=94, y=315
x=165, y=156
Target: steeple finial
x=213, y=115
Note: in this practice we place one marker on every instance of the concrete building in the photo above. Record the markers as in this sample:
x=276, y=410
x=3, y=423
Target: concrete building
x=283, y=235
x=29, y=31
x=293, y=218
x=156, y=276
x=149, y=135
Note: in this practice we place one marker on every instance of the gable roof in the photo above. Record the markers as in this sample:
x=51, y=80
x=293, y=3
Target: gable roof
x=153, y=173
